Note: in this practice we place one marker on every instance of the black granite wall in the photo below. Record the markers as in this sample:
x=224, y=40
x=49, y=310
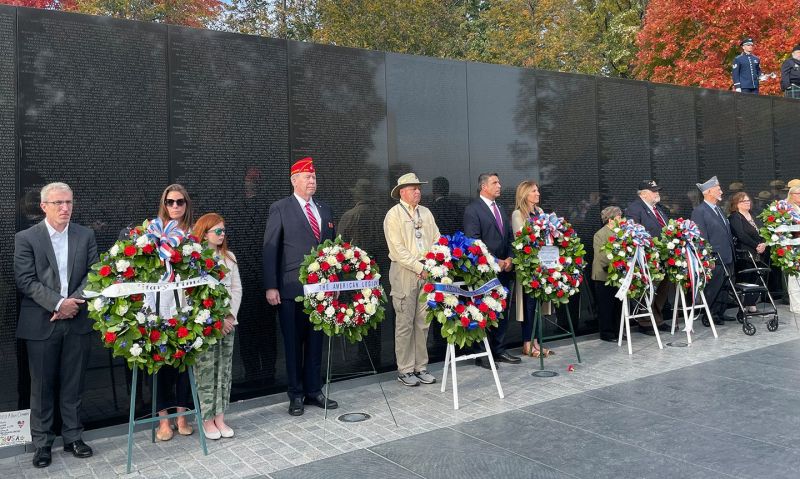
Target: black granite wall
x=120, y=109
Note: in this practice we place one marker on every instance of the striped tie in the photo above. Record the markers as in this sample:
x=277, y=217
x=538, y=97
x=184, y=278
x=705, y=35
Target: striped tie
x=312, y=220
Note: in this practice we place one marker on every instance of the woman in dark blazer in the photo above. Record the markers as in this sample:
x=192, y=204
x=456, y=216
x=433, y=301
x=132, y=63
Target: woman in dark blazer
x=744, y=227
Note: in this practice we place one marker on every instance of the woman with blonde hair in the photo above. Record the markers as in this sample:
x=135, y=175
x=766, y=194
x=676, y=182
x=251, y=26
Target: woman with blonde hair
x=214, y=367
x=793, y=282
x=527, y=203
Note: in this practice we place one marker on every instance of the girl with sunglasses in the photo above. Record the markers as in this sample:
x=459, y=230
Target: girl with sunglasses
x=213, y=368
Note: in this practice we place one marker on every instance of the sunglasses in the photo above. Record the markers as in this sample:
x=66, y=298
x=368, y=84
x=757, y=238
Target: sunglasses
x=218, y=231
x=179, y=202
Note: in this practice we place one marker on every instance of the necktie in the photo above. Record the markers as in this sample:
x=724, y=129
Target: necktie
x=497, y=217
x=721, y=216
x=659, y=217
x=312, y=220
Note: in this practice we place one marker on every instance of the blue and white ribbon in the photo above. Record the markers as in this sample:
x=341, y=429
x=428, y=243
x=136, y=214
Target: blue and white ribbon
x=336, y=286
x=166, y=238
x=453, y=289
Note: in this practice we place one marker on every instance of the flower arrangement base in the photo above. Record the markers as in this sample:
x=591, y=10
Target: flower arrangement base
x=450, y=360
x=154, y=417
x=372, y=372
x=688, y=311
x=642, y=309
x=538, y=325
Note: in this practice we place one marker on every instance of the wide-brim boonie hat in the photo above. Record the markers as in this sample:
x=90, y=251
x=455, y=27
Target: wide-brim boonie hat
x=409, y=179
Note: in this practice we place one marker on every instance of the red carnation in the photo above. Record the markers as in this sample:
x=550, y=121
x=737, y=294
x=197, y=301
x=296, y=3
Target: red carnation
x=443, y=241
x=136, y=297
x=503, y=304
x=430, y=255
x=527, y=249
x=105, y=270
x=142, y=331
x=770, y=218
x=438, y=297
x=564, y=244
x=221, y=274
x=157, y=357
x=210, y=263
x=448, y=265
x=560, y=293
x=147, y=249
x=129, y=250
x=208, y=303
x=346, y=245
x=457, y=252
x=482, y=324
x=129, y=273
x=321, y=254
x=312, y=278
x=578, y=260
x=206, y=330
x=428, y=288
x=176, y=257
x=483, y=308
x=333, y=278
x=195, y=255
x=465, y=321
x=780, y=252
x=482, y=260
x=172, y=322
x=439, y=257
x=325, y=266
x=362, y=266
x=346, y=268
x=671, y=261
x=179, y=354
x=460, y=308
x=562, y=259
x=182, y=332
x=474, y=249
x=356, y=254
x=155, y=335
x=217, y=324
x=360, y=308
x=535, y=284
x=340, y=257
x=492, y=315
x=111, y=337
x=611, y=239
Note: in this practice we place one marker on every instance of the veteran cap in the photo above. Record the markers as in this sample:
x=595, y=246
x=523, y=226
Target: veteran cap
x=746, y=41
x=649, y=185
x=796, y=48
x=305, y=165
x=712, y=182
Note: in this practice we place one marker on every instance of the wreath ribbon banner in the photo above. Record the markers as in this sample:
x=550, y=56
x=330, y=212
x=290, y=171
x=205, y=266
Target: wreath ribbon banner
x=639, y=237
x=453, y=289
x=340, y=286
x=167, y=238
x=126, y=289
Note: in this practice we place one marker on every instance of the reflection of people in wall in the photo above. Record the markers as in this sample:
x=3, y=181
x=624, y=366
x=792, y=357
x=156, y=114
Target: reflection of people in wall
x=446, y=212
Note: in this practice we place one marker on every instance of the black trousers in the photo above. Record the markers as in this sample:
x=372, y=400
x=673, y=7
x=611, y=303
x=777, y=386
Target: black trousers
x=173, y=389
x=58, y=361
x=303, y=349
x=609, y=310
x=717, y=300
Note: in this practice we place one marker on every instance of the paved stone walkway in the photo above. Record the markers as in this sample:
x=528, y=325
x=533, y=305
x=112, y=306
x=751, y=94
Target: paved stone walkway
x=270, y=443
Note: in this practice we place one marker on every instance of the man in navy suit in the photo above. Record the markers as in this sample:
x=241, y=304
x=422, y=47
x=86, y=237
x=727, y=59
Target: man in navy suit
x=486, y=220
x=295, y=226
x=51, y=262
x=646, y=211
x=716, y=230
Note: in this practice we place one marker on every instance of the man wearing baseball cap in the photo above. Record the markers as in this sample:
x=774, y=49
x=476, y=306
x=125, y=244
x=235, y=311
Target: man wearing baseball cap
x=746, y=69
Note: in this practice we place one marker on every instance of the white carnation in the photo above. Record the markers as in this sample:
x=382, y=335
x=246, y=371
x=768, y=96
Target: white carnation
x=610, y=256
x=114, y=250
x=450, y=300
x=122, y=309
x=370, y=309
x=187, y=250
x=136, y=350
x=198, y=342
x=320, y=296
x=122, y=265
x=330, y=311
x=140, y=317
x=142, y=241
x=331, y=260
x=202, y=316
x=360, y=275
x=447, y=280
x=313, y=267
x=348, y=254
x=98, y=303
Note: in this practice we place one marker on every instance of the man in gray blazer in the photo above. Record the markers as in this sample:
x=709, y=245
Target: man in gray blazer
x=716, y=230
x=51, y=263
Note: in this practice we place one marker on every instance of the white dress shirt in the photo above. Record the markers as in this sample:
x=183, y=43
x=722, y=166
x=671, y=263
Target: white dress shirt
x=313, y=210
x=60, y=243
x=489, y=203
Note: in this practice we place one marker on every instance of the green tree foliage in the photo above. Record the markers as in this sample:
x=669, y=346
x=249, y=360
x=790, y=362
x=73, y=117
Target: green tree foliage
x=292, y=19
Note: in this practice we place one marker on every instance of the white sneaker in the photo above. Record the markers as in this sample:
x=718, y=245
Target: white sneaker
x=425, y=377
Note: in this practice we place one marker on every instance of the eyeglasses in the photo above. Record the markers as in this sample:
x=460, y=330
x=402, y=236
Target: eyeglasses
x=58, y=203
x=179, y=202
x=745, y=201
x=218, y=231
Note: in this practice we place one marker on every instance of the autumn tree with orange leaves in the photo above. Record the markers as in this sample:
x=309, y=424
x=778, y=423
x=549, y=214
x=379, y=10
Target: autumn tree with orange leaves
x=694, y=42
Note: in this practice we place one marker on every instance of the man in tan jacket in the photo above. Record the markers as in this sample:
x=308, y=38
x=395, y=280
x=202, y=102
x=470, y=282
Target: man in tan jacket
x=410, y=231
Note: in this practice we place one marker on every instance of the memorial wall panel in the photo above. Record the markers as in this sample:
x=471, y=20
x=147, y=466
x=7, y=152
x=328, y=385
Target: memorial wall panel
x=337, y=104
x=230, y=148
x=716, y=136
x=786, y=140
x=756, y=165
x=624, y=140
x=93, y=113
x=8, y=198
x=673, y=147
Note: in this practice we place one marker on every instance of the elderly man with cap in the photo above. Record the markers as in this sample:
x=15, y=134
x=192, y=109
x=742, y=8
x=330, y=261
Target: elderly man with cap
x=296, y=225
x=646, y=211
x=746, y=69
x=790, y=74
x=410, y=231
x=716, y=230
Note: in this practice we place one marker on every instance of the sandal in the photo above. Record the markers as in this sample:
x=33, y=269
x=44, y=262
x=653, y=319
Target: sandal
x=535, y=353
x=547, y=352
x=164, y=435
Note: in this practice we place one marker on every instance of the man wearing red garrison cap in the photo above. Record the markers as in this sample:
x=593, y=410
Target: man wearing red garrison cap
x=295, y=226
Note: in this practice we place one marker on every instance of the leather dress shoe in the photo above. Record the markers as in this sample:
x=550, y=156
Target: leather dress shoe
x=296, y=407
x=484, y=363
x=42, y=457
x=665, y=327
x=320, y=401
x=78, y=449
x=507, y=358
x=647, y=331
x=719, y=322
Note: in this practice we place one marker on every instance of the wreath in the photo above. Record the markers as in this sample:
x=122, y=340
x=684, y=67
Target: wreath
x=778, y=221
x=685, y=255
x=634, y=260
x=462, y=292
x=121, y=295
x=558, y=277
x=336, y=266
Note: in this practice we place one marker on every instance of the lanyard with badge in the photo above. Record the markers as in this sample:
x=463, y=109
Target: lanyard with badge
x=417, y=227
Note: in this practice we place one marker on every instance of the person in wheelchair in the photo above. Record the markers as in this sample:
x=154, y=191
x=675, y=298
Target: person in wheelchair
x=749, y=244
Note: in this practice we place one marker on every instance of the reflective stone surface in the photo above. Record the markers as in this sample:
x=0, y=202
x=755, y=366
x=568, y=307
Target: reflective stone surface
x=121, y=109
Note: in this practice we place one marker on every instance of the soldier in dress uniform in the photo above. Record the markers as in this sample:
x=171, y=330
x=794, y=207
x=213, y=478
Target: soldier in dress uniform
x=790, y=74
x=746, y=69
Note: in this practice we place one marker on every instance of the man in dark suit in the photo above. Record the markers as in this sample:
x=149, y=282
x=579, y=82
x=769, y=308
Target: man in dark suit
x=646, y=211
x=716, y=230
x=295, y=226
x=51, y=263
x=486, y=220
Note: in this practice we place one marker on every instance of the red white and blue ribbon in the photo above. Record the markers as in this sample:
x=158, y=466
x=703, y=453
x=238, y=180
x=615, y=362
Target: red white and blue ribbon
x=167, y=238
x=637, y=235
x=696, y=273
x=552, y=226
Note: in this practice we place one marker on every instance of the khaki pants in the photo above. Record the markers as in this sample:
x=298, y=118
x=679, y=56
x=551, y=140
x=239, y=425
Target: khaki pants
x=410, y=330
